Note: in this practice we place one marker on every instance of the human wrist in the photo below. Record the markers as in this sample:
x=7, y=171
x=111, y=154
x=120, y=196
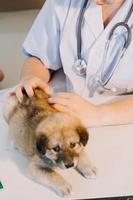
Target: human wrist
x=90, y=115
x=101, y=115
x=34, y=68
x=106, y=115
x=27, y=77
x=95, y=118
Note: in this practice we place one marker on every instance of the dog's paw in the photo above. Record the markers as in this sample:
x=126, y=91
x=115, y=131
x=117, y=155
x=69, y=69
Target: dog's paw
x=89, y=173
x=63, y=190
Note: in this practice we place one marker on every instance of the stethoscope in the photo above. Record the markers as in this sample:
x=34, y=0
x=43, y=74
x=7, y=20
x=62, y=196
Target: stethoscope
x=101, y=78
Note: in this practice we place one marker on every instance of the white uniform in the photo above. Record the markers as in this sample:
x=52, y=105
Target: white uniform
x=53, y=39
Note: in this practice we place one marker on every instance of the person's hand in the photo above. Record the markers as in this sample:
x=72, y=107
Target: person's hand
x=75, y=105
x=28, y=84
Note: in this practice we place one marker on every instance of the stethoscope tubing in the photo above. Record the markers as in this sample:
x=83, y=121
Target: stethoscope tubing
x=104, y=74
x=129, y=14
x=127, y=40
x=79, y=38
x=79, y=28
x=126, y=26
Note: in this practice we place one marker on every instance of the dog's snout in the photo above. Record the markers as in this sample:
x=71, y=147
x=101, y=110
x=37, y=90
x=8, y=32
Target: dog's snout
x=69, y=165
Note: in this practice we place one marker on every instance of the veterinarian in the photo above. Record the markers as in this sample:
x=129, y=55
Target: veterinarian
x=95, y=51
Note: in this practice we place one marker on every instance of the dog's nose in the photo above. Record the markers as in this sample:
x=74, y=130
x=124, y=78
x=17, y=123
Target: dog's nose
x=69, y=165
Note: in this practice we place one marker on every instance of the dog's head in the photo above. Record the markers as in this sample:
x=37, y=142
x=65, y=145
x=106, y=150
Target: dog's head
x=61, y=138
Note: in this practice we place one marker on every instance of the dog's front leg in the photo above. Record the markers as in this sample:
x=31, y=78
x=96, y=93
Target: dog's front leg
x=48, y=177
x=85, y=167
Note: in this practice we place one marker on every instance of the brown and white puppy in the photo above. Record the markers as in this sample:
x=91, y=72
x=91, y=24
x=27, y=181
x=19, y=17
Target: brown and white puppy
x=49, y=138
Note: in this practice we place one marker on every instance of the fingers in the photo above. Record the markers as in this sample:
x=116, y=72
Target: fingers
x=29, y=90
x=44, y=86
x=63, y=109
x=29, y=86
x=66, y=99
x=66, y=95
x=19, y=93
x=59, y=100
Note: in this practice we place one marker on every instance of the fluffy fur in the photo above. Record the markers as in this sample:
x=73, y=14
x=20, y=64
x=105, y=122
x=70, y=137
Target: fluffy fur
x=49, y=138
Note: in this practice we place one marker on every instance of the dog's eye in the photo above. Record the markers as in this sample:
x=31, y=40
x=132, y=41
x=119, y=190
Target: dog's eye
x=72, y=145
x=57, y=148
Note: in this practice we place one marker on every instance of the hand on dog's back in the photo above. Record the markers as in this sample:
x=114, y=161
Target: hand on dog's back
x=28, y=85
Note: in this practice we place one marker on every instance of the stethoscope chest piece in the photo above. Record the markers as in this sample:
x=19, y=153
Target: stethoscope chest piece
x=79, y=67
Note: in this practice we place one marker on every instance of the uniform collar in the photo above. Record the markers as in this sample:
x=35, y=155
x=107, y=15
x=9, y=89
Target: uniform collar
x=93, y=17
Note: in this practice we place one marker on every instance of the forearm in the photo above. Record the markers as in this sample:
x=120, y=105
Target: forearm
x=120, y=112
x=35, y=68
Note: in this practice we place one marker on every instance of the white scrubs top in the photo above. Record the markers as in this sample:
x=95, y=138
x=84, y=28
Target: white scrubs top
x=53, y=39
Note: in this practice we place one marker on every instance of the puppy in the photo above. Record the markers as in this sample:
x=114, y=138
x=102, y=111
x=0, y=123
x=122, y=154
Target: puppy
x=49, y=138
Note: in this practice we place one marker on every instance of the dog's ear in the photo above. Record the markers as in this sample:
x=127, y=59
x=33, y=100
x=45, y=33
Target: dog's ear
x=83, y=134
x=41, y=144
